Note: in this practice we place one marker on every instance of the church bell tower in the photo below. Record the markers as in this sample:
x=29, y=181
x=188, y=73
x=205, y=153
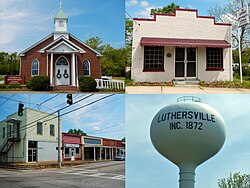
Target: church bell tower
x=61, y=23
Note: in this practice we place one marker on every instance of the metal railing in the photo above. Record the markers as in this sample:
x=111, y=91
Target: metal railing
x=110, y=84
x=189, y=99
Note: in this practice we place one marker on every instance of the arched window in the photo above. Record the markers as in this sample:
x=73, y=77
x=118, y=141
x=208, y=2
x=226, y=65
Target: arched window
x=86, y=68
x=62, y=61
x=35, y=68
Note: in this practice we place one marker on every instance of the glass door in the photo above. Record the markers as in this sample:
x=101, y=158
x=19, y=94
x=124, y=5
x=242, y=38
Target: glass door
x=179, y=62
x=191, y=62
x=185, y=63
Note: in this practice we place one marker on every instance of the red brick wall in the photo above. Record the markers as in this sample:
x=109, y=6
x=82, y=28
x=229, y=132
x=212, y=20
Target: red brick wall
x=95, y=65
x=32, y=54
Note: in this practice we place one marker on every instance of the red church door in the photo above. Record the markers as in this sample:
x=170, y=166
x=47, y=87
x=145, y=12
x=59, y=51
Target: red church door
x=62, y=72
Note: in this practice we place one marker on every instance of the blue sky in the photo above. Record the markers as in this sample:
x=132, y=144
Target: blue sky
x=141, y=8
x=24, y=22
x=105, y=118
x=146, y=168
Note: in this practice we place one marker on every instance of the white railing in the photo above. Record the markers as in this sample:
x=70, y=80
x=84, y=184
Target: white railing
x=110, y=84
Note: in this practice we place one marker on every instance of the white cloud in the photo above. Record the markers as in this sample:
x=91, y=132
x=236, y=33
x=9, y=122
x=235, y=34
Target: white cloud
x=145, y=12
x=144, y=3
x=190, y=7
x=130, y=3
x=96, y=128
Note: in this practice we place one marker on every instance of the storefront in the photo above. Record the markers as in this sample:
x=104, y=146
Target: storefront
x=72, y=147
x=181, y=46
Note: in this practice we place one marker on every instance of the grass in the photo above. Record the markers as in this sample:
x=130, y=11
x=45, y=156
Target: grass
x=119, y=78
x=229, y=84
x=1, y=78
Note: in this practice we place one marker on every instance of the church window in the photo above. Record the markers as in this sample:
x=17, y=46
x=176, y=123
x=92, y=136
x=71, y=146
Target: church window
x=35, y=68
x=86, y=68
x=61, y=23
x=62, y=61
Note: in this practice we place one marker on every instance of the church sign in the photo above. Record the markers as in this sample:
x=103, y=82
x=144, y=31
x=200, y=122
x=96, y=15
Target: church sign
x=13, y=80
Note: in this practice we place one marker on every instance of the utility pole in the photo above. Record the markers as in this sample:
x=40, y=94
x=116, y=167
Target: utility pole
x=59, y=142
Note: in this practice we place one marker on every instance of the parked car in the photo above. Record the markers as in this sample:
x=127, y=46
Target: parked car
x=120, y=158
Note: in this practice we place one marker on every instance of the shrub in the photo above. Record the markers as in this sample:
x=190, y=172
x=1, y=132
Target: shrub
x=14, y=86
x=3, y=86
x=87, y=84
x=39, y=83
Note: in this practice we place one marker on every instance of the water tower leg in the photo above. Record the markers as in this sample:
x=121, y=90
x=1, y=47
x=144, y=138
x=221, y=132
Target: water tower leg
x=187, y=177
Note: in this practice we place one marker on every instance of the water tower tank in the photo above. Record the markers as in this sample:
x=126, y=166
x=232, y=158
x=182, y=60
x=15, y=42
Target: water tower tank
x=187, y=133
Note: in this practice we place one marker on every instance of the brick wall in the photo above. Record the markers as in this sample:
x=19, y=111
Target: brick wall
x=32, y=54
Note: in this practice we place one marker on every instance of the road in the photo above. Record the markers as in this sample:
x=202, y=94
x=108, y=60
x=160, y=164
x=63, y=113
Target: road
x=98, y=175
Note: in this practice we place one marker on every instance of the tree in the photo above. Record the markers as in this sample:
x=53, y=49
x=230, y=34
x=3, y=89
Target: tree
x=95, y=43
x=229, y=14
x=113, y=60
x=235, y=181
x=124, y=139
x=169, y=9
x=77, y=131
x=129, y=39
x=9, y=63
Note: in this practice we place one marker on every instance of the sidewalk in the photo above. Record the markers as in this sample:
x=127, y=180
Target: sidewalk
x=41, y=165
x=183, y=90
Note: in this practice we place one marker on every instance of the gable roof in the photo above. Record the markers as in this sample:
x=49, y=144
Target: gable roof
x=65, y=41
x=51, y=35
x=34, y=45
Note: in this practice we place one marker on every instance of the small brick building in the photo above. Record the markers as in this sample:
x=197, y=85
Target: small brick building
x=61, y=56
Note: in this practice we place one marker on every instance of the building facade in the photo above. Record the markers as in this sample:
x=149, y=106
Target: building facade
x=72, y=147
x=181, y=46
x=77, y=147
x=61, y=56
x=31, y=137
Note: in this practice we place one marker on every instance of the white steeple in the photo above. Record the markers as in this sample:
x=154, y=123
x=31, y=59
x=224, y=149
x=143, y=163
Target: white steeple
x=61, y=23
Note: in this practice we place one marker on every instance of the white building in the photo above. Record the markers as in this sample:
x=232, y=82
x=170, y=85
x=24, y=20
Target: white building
x=29, y=138
x=181, y=46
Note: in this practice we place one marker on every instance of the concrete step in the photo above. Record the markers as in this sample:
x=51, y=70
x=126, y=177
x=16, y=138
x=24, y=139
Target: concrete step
x=65, y=88
x=192, y=82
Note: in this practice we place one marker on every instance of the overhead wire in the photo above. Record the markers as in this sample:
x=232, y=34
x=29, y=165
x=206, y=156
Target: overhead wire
x=26, y=126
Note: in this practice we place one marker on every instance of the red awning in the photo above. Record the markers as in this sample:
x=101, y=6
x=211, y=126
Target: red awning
x=150, y=41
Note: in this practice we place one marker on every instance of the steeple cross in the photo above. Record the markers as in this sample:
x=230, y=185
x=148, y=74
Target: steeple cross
x=60, y=4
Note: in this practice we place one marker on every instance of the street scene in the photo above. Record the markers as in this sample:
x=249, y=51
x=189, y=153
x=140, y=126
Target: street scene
x=96, y=175
x=43, y=135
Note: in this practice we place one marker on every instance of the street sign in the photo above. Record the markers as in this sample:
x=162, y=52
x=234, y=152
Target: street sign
x=243, y=16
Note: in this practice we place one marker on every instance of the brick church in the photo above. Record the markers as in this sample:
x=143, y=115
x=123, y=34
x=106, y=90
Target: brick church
x=61, y=56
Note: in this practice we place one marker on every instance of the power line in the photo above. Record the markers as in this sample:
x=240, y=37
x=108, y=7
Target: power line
x=26, y=126
x=107, y=127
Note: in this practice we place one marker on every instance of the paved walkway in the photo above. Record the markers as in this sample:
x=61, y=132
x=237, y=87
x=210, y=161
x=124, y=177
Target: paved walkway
x=183, y=90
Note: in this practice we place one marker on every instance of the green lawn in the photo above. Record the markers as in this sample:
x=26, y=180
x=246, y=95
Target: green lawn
x=229, y=84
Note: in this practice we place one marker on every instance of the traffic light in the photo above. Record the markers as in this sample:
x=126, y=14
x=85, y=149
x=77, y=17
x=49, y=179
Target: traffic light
x=69, y=99
x=20, y=109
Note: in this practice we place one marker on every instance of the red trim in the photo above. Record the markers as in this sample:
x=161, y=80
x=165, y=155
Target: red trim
x=214, y=69
x=181, y=9
x=153, y=70
x=177, y=42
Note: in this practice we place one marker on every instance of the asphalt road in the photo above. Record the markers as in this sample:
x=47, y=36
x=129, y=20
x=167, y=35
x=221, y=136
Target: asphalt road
x=98, y=175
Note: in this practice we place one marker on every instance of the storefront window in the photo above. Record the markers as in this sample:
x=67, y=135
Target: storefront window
x=153, y=58
x=214, y=58
x=66, y=153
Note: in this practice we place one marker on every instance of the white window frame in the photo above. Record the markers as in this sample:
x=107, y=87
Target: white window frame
x=35, y=60
x=88, y=68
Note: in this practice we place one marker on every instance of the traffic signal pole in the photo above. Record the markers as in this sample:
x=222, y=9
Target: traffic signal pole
x=59, y=142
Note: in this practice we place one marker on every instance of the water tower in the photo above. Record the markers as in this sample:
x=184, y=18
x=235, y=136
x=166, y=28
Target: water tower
x=188, y=133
